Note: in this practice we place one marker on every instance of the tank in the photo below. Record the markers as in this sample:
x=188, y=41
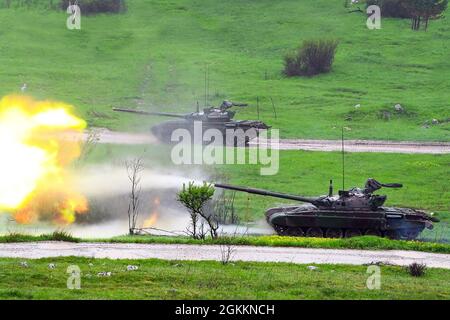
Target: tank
x=220, y=118
x=353, y=212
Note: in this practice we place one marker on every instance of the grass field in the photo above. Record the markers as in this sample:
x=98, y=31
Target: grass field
x=155, y=55
x=157, y=279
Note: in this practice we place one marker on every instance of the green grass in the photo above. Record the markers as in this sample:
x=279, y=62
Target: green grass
x=158, y=279
x=21, y=237
x=155, y=55
x=364, y=242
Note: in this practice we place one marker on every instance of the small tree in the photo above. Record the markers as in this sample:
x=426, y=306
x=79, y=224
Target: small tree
x=434, y=9
x=424, y=10
x=194, y=198
x=134, y=169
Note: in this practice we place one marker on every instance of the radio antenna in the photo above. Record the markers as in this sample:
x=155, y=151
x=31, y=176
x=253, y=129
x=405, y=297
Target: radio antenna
x=206, y=84
x=343, y=161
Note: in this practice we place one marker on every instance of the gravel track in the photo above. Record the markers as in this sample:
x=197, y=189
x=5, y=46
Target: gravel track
x=112, y=137
x=358, y=146
x=34, y=250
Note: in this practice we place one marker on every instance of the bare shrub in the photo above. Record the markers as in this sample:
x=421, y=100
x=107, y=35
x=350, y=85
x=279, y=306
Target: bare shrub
x=134, y=169
x=292, y=64
x=416, y=269
x=227, y=252
x=312, y=58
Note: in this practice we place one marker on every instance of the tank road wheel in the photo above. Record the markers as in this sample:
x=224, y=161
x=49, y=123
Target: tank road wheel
x=314, y=232
x=294, y=232
x=334, y=233
x=392, y=234
x=281, y=231
x=409, y=234
x=373, y=232
x=352, y=233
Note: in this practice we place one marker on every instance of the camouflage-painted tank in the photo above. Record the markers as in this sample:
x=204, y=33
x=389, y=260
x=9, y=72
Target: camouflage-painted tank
x=351, y=213
x=220, y=118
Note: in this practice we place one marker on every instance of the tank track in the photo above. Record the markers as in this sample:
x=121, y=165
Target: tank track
x=399, y=234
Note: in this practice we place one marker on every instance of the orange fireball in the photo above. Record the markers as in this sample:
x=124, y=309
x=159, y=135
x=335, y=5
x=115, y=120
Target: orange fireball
x=34, y=177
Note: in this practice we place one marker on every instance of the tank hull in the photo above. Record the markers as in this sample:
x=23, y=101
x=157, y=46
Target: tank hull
x=308, y=220
x=164, y=131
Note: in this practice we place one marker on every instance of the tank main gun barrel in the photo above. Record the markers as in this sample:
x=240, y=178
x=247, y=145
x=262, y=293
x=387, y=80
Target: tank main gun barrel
x=149, y=113
x=392, y=185
x=315, y=201
x=238, y=104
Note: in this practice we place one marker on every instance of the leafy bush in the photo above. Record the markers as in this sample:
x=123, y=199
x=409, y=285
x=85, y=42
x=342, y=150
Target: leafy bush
x=416, y=269
x=291, y=65
x=55, y=236
x=62, y=235
x=88, y=7
x=312, y=58
x=391, y=8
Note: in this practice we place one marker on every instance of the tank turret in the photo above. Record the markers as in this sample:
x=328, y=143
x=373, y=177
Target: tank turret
x=352, y=212
x=220, y=113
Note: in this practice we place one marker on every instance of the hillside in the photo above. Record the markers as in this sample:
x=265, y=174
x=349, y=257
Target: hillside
x=155, y=55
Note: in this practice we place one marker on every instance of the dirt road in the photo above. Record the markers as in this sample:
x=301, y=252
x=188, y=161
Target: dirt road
x=112, y=137
x=213, y=252
x=358, y=146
